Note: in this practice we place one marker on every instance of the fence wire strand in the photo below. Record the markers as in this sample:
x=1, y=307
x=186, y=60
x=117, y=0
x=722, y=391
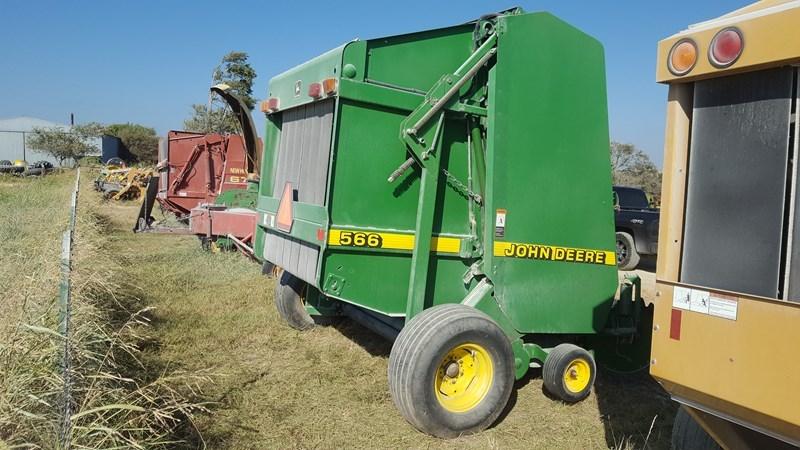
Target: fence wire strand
x=65, y=312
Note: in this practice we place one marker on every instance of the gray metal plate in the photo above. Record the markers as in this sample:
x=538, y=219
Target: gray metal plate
x=303, y=161
x=736, y=186
x=304, y=151
x=297, y=257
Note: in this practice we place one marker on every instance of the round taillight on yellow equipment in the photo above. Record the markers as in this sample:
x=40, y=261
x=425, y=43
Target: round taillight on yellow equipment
x=726, y=47
x=682, y=57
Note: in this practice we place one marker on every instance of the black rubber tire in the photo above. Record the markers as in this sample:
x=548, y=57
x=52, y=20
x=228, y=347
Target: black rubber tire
x=269, y=269
x=687, y=434
x=417, y=354
x=630, y=259
x=289, y=292
x=207, y=243
x=557, y=363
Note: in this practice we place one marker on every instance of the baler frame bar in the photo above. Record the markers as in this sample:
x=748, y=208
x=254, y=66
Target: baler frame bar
x=429, y=159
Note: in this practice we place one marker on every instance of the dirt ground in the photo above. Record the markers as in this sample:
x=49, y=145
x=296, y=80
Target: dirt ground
x=278, y=388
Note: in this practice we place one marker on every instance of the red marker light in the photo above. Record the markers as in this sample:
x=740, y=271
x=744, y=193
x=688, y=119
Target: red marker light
x=315, y=90
x=273, y=103
x=726, y=47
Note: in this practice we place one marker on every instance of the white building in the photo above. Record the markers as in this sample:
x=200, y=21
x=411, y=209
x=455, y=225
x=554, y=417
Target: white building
x=13, y=133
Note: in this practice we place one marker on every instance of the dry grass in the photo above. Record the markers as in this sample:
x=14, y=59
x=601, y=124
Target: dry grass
x=116, y=401
x=327, y=388
x=34, y=214
x=211, y=317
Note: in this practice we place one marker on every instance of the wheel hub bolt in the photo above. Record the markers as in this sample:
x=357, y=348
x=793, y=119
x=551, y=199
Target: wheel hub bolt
x=452, y=370
x=573, y=373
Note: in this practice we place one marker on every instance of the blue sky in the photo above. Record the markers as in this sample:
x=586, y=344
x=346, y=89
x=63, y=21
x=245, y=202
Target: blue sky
x=147, y=61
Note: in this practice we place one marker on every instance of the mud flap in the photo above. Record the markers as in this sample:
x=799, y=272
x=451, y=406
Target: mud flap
x=145, y=218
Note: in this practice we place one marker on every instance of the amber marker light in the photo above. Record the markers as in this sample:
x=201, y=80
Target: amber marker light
x=682, y=57
x=271, y=104
x=329, y=86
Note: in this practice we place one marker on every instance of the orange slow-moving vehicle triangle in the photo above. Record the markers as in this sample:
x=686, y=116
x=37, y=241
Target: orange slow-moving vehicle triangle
x=285, y=217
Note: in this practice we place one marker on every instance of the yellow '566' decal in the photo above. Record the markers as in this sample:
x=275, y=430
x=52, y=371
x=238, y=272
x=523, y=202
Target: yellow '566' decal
x=391, y=241
x=552, y=253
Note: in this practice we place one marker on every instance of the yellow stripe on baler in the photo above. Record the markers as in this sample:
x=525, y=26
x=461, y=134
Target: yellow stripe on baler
x=554, y=253
x=388, y=241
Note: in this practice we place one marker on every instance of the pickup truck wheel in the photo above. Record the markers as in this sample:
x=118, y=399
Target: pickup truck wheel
x=627, y=256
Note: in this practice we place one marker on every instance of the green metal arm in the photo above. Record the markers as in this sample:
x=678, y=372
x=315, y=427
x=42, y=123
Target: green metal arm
x=415, y=132
x=438, y=97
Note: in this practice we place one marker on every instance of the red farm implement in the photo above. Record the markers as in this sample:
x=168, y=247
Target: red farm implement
x=208, y=182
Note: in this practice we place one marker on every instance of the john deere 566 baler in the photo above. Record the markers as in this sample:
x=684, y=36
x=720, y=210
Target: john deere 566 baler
x=450, y=189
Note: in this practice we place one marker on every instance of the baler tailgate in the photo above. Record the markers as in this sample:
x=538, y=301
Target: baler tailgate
x=303, y=157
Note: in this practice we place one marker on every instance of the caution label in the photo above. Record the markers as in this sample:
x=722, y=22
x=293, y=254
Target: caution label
x=554, y=253
x=389, y=241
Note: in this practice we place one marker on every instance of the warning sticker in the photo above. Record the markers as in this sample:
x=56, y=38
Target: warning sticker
x=705, y=302
x=699, y=301
x=500, y=223
x=269, y=220
x=725, y=306
x=681, y=298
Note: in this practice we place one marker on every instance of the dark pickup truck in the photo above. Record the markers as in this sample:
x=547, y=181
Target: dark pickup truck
x=636, y=225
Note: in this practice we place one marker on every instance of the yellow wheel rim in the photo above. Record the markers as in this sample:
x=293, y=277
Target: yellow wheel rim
x=463, y=377
x=577, y=375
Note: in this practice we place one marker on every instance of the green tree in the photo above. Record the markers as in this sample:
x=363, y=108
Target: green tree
x=216, y=117
x=141, y=141
x=65, y=144
x=632, y=167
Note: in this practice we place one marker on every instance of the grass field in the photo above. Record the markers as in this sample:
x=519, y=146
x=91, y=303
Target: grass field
x=279, y=388
x=273, y=387
x=29, y=277
x=114, y=401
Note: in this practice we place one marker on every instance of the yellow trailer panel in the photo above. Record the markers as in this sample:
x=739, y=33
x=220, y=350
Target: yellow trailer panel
x=730, y=355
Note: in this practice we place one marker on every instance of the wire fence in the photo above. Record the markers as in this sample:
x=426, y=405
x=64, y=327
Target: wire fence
x=65, y=313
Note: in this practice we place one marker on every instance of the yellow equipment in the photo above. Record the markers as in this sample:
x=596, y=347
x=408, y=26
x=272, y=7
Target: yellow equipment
x=727, y=318
x=123, y=184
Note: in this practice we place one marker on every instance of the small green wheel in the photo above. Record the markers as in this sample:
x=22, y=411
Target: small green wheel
x=569, y=372
x=451, y=371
